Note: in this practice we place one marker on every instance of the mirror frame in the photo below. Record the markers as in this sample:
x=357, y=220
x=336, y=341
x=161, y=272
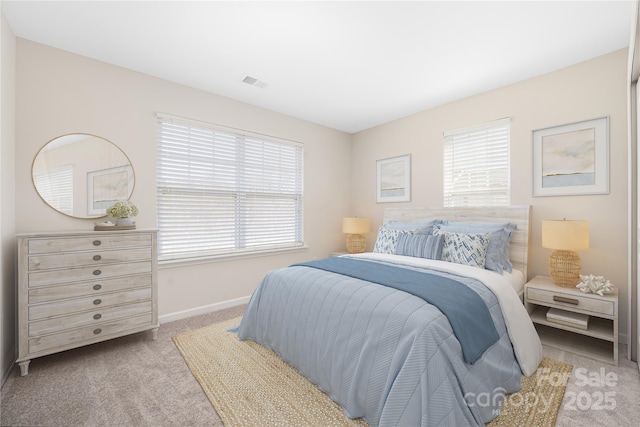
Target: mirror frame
x=129, y=167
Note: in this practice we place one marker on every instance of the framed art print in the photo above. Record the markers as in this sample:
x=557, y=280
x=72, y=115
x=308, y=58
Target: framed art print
x=571, y=159
x=393, y=181
x=107, y=186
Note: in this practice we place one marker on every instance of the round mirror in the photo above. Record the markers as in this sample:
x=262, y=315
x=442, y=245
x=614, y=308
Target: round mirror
x=81, y=175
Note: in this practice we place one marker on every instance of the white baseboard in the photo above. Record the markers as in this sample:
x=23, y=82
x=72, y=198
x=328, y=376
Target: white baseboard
x=205, y=309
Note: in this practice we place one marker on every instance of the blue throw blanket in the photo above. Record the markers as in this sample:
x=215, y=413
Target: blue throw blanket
x=464, y=308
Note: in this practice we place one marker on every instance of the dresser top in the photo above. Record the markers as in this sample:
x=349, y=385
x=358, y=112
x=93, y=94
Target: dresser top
x=83, y=233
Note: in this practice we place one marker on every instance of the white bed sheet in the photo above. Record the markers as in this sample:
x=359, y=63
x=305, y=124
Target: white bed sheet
x=516, y=280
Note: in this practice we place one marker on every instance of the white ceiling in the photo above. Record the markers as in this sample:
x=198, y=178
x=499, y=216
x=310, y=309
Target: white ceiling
x=348, y=65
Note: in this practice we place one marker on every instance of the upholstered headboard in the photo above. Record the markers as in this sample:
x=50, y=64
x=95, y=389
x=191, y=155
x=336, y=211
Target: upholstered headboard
x=519, y=215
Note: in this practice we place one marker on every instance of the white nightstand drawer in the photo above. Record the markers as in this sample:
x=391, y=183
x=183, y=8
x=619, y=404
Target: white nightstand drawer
x=563, y=299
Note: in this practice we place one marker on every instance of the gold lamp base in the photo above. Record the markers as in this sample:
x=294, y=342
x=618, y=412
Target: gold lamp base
x=565, y=267
x=356, y=243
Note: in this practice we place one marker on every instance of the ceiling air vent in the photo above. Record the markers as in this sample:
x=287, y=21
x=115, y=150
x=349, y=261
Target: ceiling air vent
x=254, y=82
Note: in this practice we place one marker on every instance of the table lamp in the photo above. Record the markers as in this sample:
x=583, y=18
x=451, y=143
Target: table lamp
x=565, y=238
x=355, y=227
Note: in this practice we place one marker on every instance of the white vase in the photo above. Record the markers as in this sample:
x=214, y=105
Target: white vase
x=124, y=221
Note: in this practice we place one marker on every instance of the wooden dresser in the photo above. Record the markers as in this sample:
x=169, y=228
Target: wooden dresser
x=79, y=288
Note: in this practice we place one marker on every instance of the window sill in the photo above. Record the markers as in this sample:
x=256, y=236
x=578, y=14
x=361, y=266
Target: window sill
x=170, y=263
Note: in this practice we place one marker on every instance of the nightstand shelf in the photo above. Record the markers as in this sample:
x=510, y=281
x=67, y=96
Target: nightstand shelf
x=598, y=328
x=578, y=344
x=599, y=341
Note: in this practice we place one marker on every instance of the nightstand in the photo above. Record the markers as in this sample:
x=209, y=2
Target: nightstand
x=599, y=341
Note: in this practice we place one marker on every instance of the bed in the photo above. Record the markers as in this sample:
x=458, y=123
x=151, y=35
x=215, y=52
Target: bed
x=383, y=352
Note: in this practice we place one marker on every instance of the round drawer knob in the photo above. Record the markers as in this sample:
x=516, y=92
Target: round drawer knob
x=97, y=272
x=97, y=287
x=97, y=301
x=97, y=316
x=97, y=243
x=97, y=331
x=97, y=257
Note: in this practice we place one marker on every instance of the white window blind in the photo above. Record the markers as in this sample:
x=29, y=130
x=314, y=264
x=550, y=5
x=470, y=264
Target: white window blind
x=56, y=187
x=223, y=191
x=476, y=165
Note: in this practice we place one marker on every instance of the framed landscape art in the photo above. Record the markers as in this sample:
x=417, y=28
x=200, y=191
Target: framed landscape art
x=571, y=159
x=393, y=181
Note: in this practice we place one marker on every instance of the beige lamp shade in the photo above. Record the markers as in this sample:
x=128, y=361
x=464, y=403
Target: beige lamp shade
x=355, y=227
x=565, y=237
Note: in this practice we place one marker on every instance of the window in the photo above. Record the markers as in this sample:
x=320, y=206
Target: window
x=56, y=188
x=223, y=191
x=476, y=165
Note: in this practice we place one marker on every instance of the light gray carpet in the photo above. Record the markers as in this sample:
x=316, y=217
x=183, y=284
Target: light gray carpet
x=129, y=381
x=135, y=381
x=587, y=401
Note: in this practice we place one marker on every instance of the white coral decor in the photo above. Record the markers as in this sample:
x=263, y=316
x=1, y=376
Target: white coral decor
x=595, y=284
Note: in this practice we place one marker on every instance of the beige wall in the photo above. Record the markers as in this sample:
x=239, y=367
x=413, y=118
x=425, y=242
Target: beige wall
x=60, y=93
x=7, y=197
x=588, y=90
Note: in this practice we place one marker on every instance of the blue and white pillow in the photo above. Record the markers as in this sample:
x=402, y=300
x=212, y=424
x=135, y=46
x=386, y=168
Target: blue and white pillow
x=465, y=248
x=498, y=251
x=389, y=232
x=386, y=240
x=420, y=245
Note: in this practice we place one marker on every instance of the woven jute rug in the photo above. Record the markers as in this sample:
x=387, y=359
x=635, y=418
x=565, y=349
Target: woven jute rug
x=250, y=385
x=538, y=401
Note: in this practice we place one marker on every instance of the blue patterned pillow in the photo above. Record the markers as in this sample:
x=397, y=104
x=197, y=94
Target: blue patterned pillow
x=420, y=245
x=386, y=240
x=464, y=248
x=498, y=251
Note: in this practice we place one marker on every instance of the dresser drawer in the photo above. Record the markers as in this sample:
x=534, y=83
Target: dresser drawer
x=86, y=334
x=78, y=259
x=89, y=318
x=560, y=299
x=53, y=277
x=88, y=242
x=42, y=311
x=92, y=287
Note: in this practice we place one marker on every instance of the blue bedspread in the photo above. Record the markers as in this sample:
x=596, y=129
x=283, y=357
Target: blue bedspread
x=463, y=307
x=381, y=353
